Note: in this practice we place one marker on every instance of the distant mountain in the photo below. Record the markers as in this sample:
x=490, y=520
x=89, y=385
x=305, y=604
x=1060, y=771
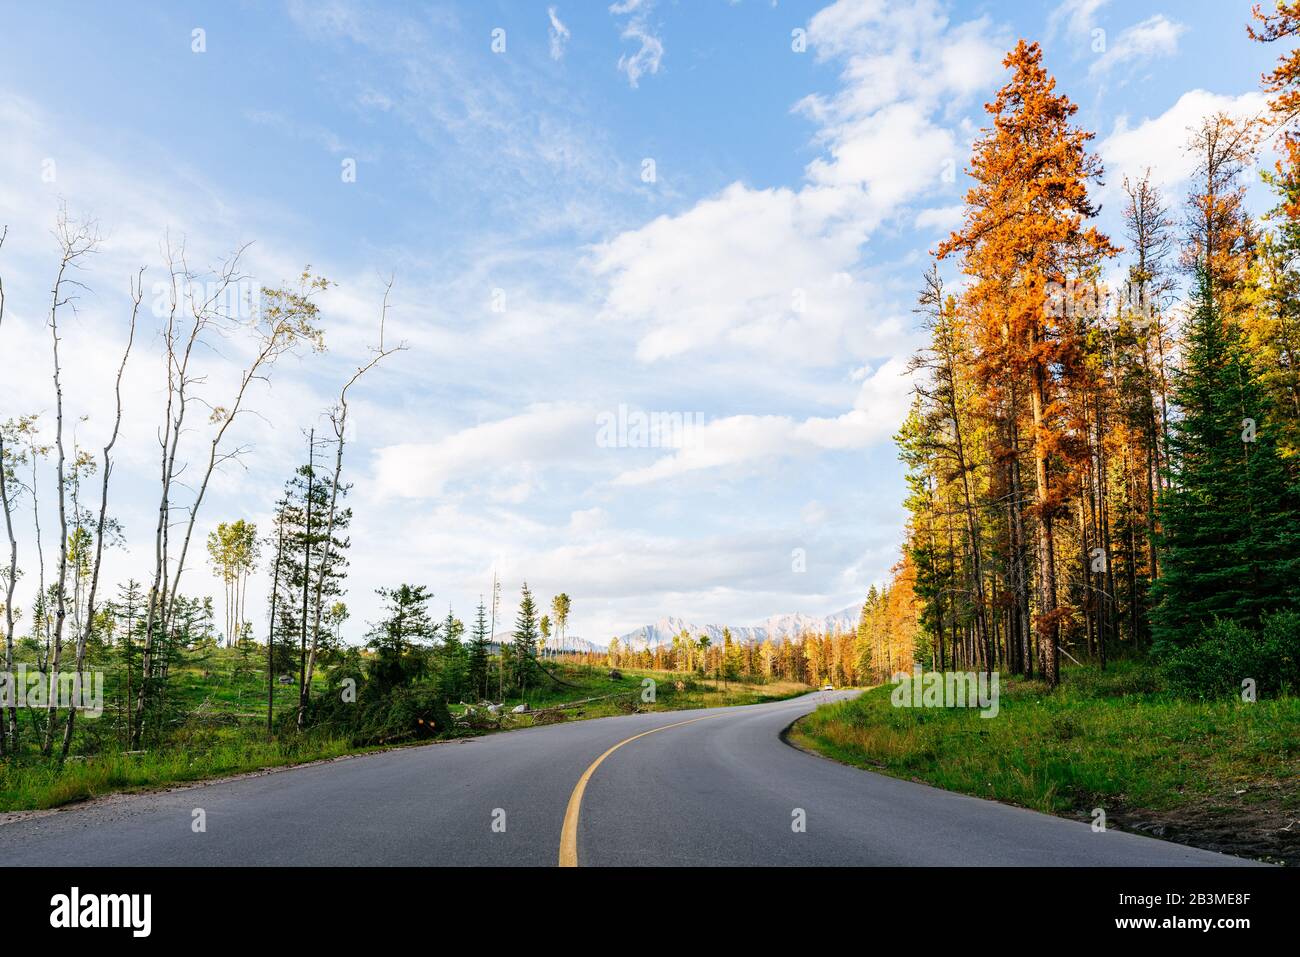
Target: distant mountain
x=663, y=630
x=571, y=643
x=776, y=628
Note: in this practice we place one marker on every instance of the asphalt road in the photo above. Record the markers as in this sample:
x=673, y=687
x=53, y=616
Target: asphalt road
x=713, y=787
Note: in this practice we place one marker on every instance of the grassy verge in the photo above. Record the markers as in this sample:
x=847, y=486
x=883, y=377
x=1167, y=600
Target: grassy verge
x=1218, y=774
x=44, y=784
x=224, y=731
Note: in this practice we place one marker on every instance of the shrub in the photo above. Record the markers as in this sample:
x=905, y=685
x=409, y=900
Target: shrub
x=398, y=714
x=1227, y=652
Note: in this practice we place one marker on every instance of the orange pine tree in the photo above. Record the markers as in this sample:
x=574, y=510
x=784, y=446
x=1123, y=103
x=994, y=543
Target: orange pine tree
x=1023, y=241
x=1283, y=81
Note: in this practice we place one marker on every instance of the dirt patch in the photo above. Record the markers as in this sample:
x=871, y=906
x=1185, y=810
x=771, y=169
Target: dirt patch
x=1261, y=821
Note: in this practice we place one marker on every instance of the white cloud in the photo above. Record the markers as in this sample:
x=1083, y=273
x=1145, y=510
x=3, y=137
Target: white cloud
x=892, y=154
x=1079, y=17
x=731, y=446
x=847, y=27
x=1161, y=142
x=630, y=6
x=721, y=447
x=772, y=271
x=942, y=219
x=503, y=455
x=1154, y=37
x=559, y=34
x=894, y=51
x=651, y=53
x=746, y=268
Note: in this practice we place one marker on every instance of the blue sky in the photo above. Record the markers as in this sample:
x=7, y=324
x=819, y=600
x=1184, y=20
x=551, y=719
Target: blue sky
x=762, y=280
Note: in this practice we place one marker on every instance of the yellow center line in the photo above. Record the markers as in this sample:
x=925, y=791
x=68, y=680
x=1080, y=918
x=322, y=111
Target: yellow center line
x=569, y=833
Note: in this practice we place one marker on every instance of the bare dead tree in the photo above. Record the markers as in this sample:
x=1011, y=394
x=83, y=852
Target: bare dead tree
x=178, y=350
x=34, y=453
x=11, y=577
x=76, y=240
x=287, y=322
x=339, y=421
x=137, y=294
x=270, y=630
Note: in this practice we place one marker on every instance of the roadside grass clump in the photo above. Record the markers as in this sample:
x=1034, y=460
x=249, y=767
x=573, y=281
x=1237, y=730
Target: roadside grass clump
x=39, y=784
x=1103, y=738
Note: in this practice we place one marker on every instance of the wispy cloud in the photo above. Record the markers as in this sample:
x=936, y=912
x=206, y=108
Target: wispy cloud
x=515, y=132
x=648, y=57
x=1079, y=17
x=325, y=138
x=559, y=34
x=1155, y=36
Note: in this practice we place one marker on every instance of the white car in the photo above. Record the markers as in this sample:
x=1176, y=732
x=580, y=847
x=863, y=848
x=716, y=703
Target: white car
x=829, y=688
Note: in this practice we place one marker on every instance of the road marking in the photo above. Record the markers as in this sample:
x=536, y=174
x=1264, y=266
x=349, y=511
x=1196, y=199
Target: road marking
x=569, y=833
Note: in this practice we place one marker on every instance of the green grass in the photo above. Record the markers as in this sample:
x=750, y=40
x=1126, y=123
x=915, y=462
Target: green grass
x=218, y=728
x=1108, y=739
x=44, y=784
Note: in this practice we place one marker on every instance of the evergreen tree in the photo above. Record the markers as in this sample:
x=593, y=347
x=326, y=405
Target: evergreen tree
x=397, y=640
x=297, y=560
x=192, y=629
x=525, y=642
x=1230, y=519
x=453, y=659
x=934, y=566
x=731, y=665
x=128, y=616
x=478, y=652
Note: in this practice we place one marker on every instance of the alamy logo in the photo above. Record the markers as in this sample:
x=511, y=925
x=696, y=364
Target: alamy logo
x=24, y=688
x=102, y=910
x=636, y=429
x=947, y=689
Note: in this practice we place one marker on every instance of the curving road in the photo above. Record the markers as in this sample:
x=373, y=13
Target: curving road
x=712, y=787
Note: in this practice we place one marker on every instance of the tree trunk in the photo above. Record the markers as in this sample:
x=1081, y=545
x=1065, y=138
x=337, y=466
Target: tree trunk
x=10, y=583
x=1049, y=628
x=306, y=565
x=270, y=632
x=1020, y=580
x=60, y=610
x=324, y=569
x=88, y=626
